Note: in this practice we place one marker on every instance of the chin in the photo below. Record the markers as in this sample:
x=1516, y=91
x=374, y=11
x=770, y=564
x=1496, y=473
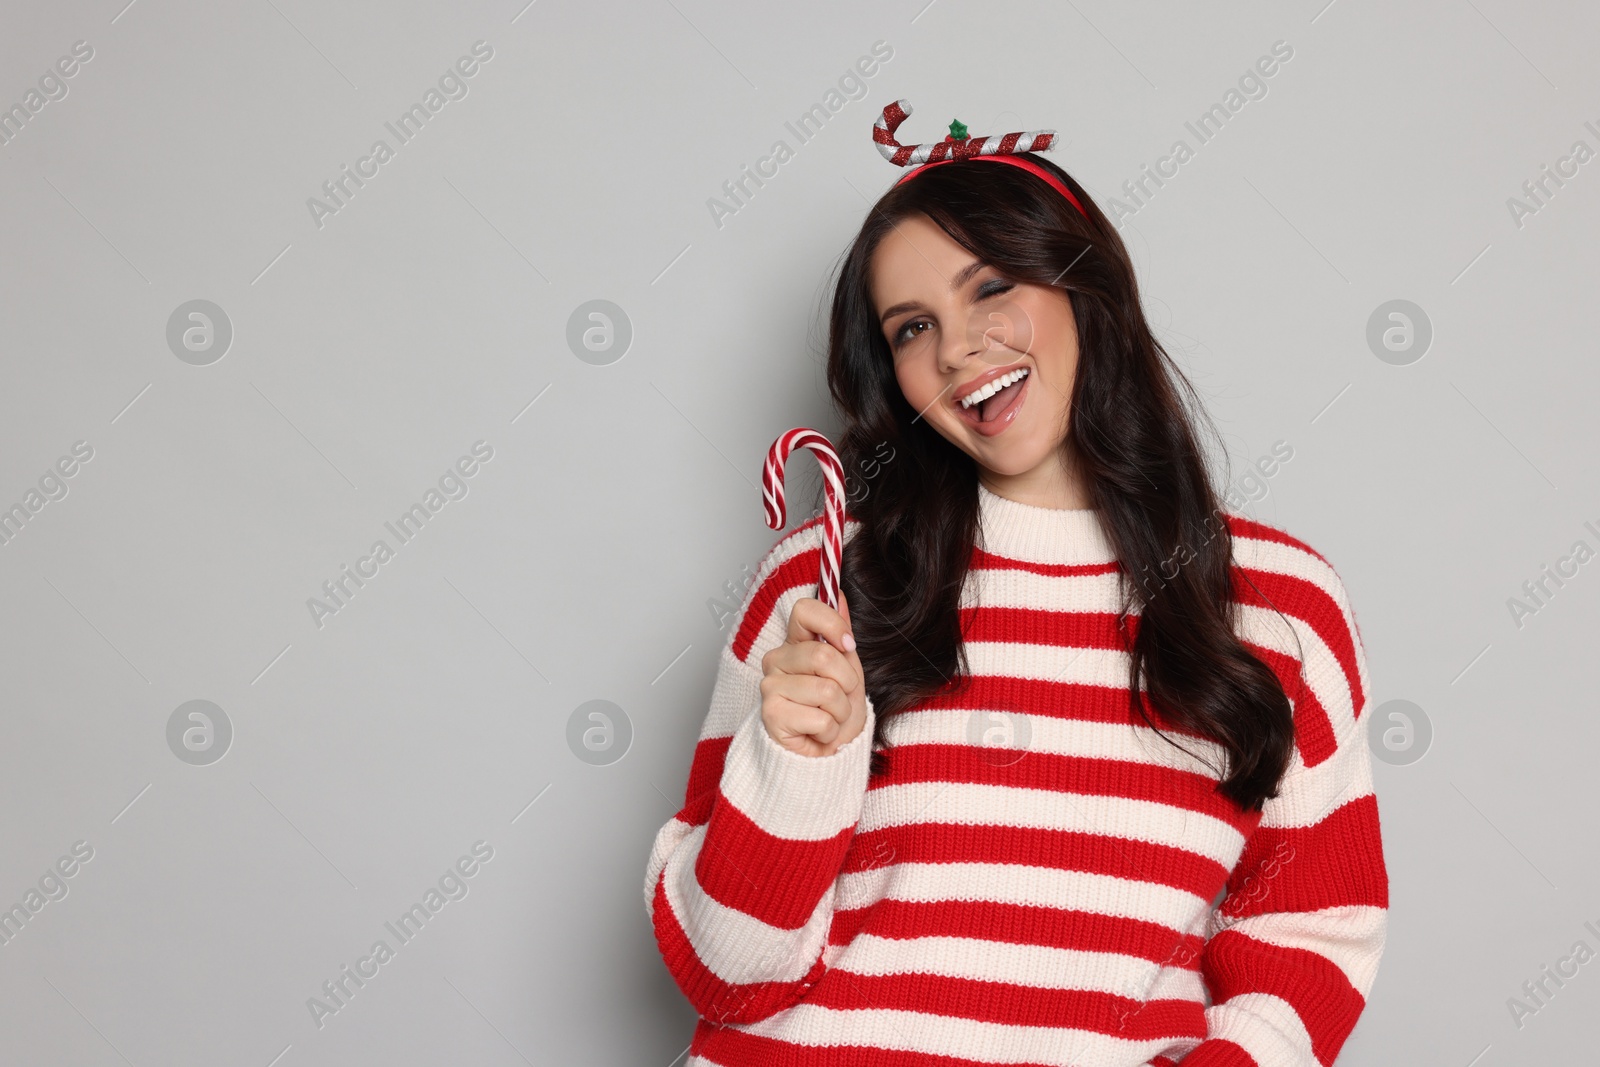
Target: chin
x=1006, y=454
x=1010, y=462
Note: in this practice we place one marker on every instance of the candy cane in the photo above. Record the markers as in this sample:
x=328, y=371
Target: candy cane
x=910, y=155
x=833, y=493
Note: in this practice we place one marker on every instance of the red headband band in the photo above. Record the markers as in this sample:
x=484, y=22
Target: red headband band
x=958, y=146
x=1015, y=161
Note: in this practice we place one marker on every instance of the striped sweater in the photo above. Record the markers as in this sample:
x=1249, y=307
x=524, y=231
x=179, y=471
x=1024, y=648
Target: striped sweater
x=1039, y=878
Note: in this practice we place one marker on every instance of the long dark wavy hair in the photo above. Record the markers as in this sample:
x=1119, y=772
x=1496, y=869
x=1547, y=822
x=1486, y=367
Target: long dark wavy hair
x=1130, y=436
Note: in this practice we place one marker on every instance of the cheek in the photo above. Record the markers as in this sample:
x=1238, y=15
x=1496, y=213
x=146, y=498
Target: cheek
x=918, y=380
x=1056, y=343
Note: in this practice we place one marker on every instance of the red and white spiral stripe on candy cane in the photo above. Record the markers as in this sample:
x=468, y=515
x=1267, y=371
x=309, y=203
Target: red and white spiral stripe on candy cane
x=833, y=495
x=910, y=155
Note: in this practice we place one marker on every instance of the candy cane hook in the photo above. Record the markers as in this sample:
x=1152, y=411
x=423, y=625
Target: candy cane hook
x=772, y=474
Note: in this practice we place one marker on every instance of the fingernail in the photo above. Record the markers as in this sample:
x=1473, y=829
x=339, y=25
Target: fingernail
x=849, y=642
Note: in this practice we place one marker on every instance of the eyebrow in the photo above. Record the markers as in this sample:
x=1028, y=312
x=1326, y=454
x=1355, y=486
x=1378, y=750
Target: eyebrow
x=962, y=277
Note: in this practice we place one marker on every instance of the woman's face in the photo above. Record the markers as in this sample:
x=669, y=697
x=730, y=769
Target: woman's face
x=956, y=327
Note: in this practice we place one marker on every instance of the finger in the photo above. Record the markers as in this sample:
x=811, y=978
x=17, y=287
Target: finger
x=848, y=641
x=810, y=618
x=812, y=691
x=797, y=630
x=805, y=720
x=858, y=674
x=815, y=659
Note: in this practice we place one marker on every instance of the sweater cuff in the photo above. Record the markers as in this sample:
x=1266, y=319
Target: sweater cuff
x=804, y=798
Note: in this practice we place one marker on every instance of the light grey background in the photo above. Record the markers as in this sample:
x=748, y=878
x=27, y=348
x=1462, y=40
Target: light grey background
x=433, y=710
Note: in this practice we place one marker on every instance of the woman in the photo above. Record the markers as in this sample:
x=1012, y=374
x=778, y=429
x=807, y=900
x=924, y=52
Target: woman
x=1077, y=775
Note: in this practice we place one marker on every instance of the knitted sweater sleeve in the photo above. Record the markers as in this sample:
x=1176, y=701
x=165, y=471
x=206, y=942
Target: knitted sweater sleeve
x=740, y=882
x=1294, y=946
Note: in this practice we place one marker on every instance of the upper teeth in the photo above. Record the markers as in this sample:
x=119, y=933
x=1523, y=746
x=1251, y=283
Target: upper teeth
x=980, y=395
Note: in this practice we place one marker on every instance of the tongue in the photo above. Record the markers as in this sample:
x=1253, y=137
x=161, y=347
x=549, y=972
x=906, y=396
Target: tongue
x=988, y=409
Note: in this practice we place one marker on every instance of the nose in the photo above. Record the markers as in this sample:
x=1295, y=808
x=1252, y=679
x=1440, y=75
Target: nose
x=957, y=347
x=1000, y=335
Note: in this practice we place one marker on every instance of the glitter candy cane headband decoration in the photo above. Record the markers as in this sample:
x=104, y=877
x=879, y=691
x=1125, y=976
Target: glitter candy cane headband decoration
x=772, y=474
x=958, y=145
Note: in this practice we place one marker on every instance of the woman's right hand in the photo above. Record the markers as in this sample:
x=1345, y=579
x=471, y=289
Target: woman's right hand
x=814, y=693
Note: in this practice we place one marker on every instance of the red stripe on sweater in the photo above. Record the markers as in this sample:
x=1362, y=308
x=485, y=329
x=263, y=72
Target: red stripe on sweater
x=1313, y=730
x=1240, y=526
x=1031, y=696
x=1336, y=862
x=802, y=569
x=1158, y=1020
x=1100, y=630
x=1095, y=852
x=774, y=879
x=1020, y=924
x=982, y=560
x=1309, y=982
x=713, y=998
x=797, y=571
x=1308, y=602
x=1039, y=626
x=705, y=772
x=1007, y=1003
x=1055, y=772
x=736, y=1048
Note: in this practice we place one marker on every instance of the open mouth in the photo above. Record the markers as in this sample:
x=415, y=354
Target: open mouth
x=992, y=408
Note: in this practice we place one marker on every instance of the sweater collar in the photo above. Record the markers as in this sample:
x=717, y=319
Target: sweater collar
x=1032, y=534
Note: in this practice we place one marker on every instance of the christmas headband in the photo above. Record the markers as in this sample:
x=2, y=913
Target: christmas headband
x=958, y=146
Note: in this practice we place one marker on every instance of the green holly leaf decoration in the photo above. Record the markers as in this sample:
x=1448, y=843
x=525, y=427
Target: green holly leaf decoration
x=958, y=130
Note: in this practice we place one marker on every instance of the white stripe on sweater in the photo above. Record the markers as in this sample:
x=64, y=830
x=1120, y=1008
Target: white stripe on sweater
x=979, y=804
x=980, y=960
x=932, y=1034
x=736, y=947
x=1265, y=1026
x=1010, y=883
x=1352, y=937
x=802, y=798
x=1051, y=736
